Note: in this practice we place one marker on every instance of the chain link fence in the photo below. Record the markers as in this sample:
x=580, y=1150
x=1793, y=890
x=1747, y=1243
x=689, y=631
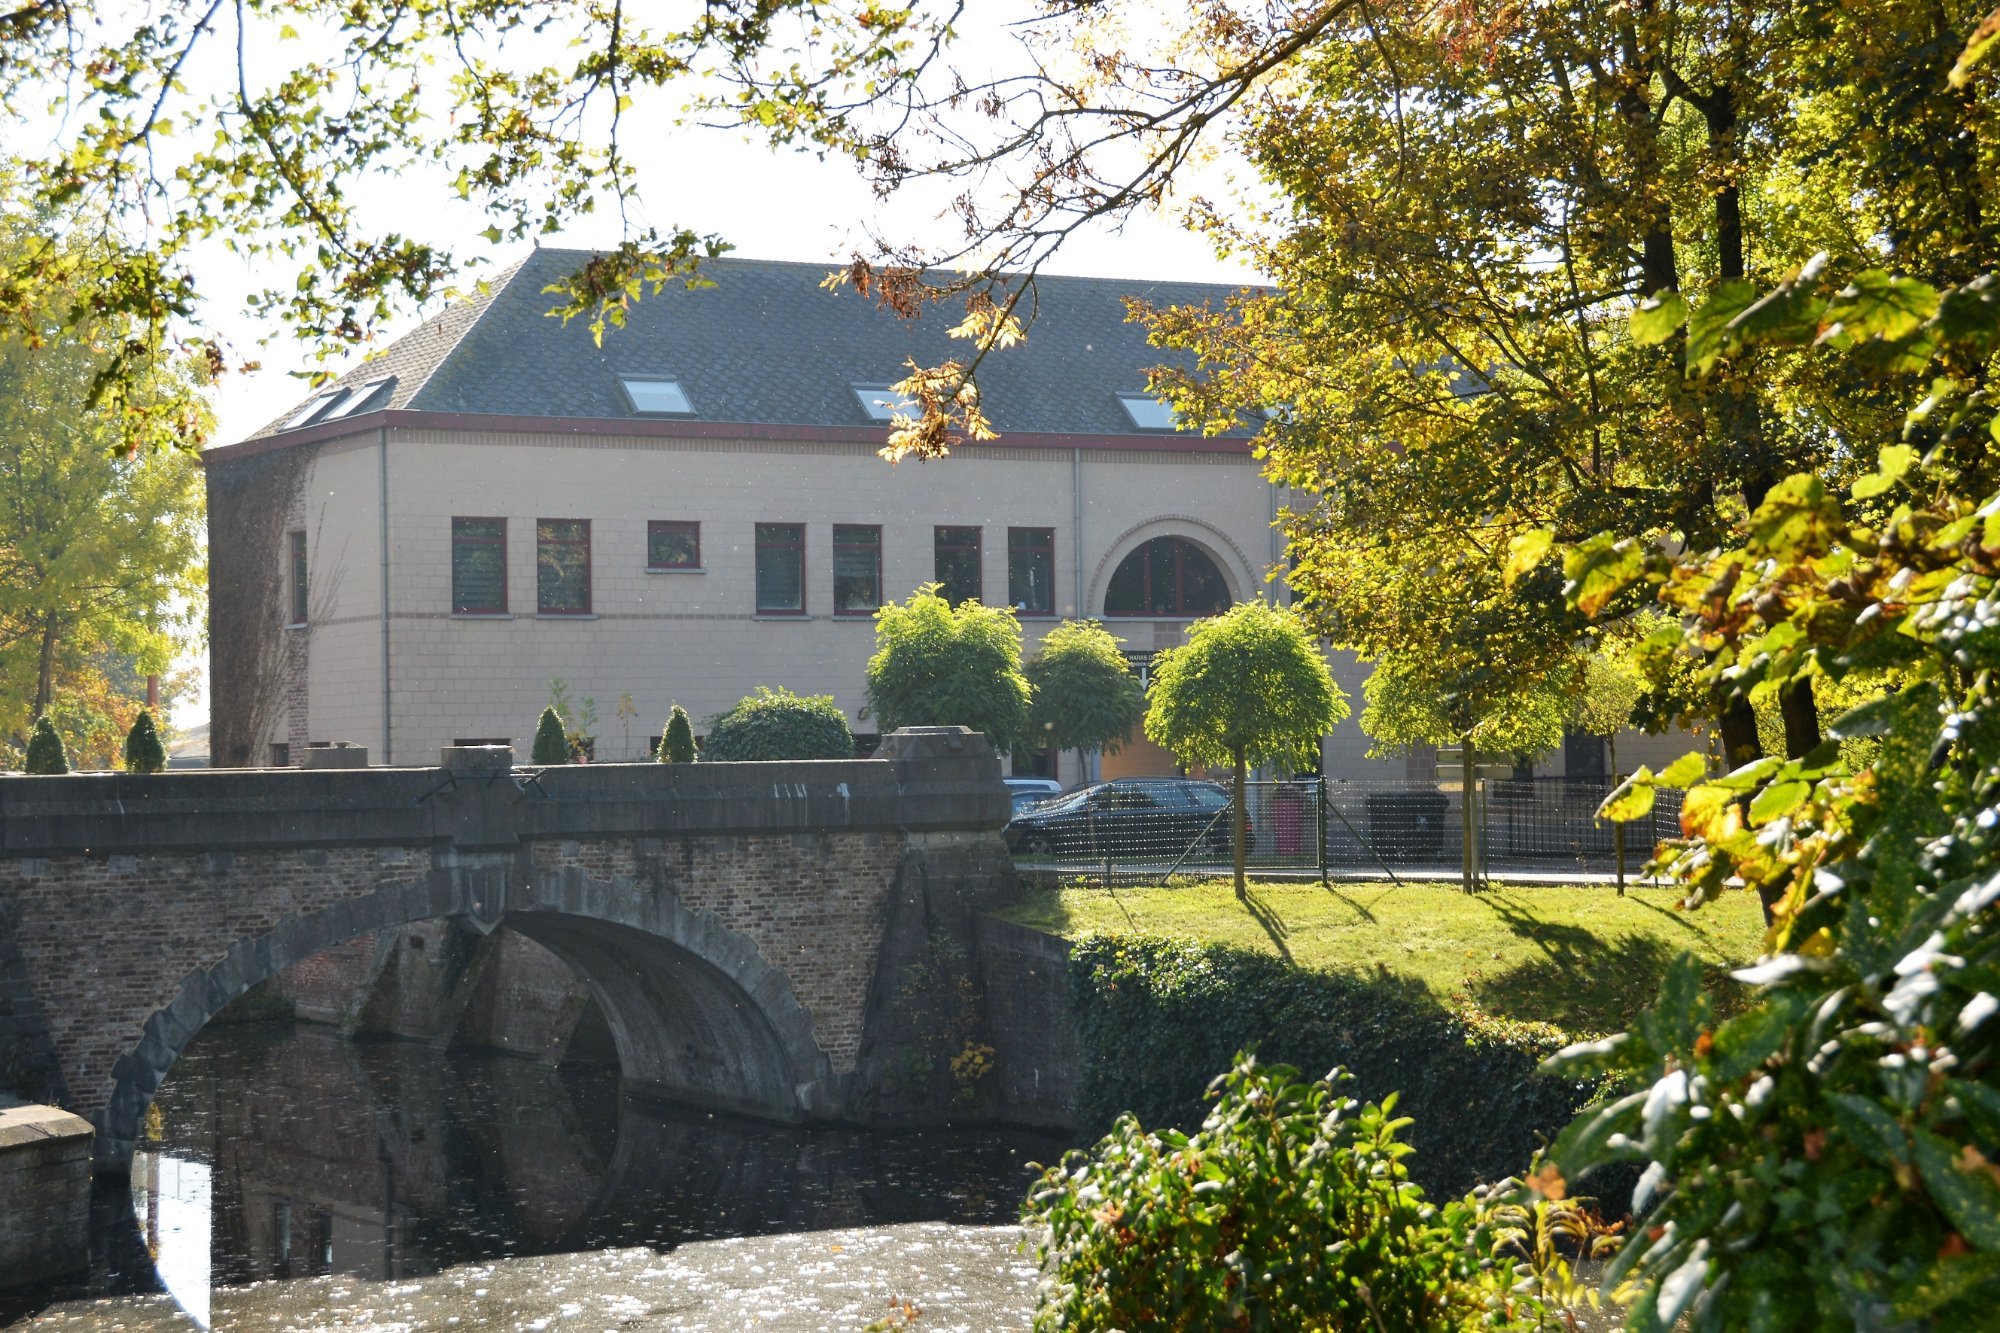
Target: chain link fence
x=1145, y=830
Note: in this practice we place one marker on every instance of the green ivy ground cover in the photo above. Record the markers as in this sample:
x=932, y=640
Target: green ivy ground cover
x=1583, y=959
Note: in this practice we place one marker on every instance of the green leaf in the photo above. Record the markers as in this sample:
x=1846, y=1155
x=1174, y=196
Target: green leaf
x=1599, y=569
x=1525, y=552
x=1708, y=327
x=1874, y=718
x=1964, y=1191
x=1871, y=1128
x=1943, y=1281
x=1632, y=800
x=1875, y=305
x=1895, y=460
x=1984, y=38
x=1657, y=319
x=1788, y=313
x=1685, y=771
x=1798, y=519
x=1778, y=799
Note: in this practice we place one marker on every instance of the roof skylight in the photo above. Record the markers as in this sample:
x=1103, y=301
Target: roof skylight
x=315, y=405
x=651, y=396
x=881, y=402
x=1149, y=413
x=366, y=395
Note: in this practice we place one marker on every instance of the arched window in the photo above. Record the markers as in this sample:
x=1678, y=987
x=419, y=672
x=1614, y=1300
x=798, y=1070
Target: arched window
x=1168, y=576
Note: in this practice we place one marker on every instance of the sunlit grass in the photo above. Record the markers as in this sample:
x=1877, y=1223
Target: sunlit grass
x=1583, y=958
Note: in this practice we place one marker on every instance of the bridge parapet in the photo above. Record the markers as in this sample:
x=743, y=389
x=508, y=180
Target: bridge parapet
x=927, y=780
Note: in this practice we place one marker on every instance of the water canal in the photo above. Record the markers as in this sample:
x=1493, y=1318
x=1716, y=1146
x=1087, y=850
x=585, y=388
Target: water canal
x=295, y=1180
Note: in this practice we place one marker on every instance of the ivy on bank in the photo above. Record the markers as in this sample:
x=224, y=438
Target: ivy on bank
x=1156, y=1017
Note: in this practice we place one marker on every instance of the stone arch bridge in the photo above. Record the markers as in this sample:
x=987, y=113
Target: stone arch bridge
x=747, y=929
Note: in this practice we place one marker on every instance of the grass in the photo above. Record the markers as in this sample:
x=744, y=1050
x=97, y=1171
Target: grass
x=1582, y=958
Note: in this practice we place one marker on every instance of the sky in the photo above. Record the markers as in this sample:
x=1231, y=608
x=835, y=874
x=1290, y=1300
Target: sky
x=770, y=204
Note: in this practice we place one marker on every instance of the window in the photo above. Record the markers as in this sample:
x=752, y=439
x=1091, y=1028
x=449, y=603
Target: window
x=366, y=396
x=652, y=397
x=479, y=566
x=562, y=566
x=300, y=601
x=1168, y=576
x=857, y=569
x=1149, y=413
x=781, y=569
x=958, y=565
x=671, y=545
x=881, y=402
x=315, y=405
x=1031, y=570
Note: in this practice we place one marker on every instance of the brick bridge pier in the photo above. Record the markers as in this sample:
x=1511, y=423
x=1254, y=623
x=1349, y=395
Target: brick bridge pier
x=749, y=930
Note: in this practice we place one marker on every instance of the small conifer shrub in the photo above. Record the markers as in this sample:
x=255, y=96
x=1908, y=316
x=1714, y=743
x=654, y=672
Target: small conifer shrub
x=144, y=752
x=677, y=744
x=551, y=745
x=46, y=754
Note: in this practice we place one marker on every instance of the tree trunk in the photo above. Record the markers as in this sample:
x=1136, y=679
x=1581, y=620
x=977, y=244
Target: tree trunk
x=1801, y=713
x=1740, y=745
x=1236, y=818
x=45, y=678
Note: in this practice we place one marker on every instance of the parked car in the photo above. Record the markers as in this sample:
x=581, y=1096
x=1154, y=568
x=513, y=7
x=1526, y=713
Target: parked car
x=1032, y=791
x=1161, y=817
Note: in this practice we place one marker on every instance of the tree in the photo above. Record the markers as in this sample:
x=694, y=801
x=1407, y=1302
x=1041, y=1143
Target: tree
x=778, y=724
x=143, y=751
x=677, y=741
x=551, y=743
x=1248, y=687
x=46, y=754
x=940, y=666
x=1085, y=695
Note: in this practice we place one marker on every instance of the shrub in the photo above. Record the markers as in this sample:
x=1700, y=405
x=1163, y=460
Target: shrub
x=1290, y=1208
x=143, y=751
x=677, y=740
x=551, y=744
x=45, y=749
x=936, y=665
x=1156, y=1017
x=777, y=724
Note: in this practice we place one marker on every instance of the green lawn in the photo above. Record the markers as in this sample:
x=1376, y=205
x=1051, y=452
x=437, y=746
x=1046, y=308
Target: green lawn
x=1582, y=958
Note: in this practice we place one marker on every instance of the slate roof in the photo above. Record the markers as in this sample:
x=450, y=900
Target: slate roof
x=767, y=345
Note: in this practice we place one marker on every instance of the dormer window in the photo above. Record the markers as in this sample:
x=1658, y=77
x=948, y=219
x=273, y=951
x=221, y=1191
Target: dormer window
x=882, y=403
x=315, y=405
x=1149, y=413
x=371, y=394
x=654, y=397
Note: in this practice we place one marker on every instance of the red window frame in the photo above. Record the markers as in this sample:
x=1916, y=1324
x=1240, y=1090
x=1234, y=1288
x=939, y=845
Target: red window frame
x=873, y=546
x=1142, y=552
x=797, y=546
x=940, y=546
x=655, y=525
x=499, y=541
x=541, y=541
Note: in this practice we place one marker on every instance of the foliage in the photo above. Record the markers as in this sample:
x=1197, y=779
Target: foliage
x=143, y=751
x=777, y=724
x=46, y=754
x=551, y=745
x=677, y=741
x=1154, y=1015
x=1827, y=1158
x=1290, y=1208
x=1248, y=686
x=1606, y=696
x=1406, y=705
x=579, y=717
x=1085, y=695
x=940, y=666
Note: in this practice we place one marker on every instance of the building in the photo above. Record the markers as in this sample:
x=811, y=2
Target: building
x=695, y=508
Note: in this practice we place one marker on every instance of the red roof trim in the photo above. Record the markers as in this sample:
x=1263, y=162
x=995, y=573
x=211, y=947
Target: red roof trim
x=666, y=428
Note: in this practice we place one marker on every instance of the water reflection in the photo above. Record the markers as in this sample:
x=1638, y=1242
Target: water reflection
x=288, y=1153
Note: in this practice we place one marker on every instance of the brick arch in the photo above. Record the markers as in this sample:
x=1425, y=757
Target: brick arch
x=1218, y=545
x=694, y=1008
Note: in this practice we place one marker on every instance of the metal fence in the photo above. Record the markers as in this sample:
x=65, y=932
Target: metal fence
x=1139, y=832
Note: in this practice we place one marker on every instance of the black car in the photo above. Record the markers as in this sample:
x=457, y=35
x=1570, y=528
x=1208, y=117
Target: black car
x=1161, y=817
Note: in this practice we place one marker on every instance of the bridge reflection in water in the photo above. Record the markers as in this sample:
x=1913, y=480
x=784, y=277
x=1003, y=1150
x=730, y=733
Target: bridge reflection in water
x=286, y=1152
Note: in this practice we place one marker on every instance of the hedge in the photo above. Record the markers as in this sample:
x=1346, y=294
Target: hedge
x=1157, y=1019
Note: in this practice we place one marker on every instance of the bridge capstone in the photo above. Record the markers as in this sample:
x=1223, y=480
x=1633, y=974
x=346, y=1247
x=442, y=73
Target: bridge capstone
x=739, y=924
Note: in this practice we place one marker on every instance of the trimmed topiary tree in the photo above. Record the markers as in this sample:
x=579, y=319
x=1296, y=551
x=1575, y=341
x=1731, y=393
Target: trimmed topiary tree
x=551, y=744
x=936, y=665
x=46, y=754
x=677, y=742
x=1086, y=697
x=144, y=753
x=777, y=724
